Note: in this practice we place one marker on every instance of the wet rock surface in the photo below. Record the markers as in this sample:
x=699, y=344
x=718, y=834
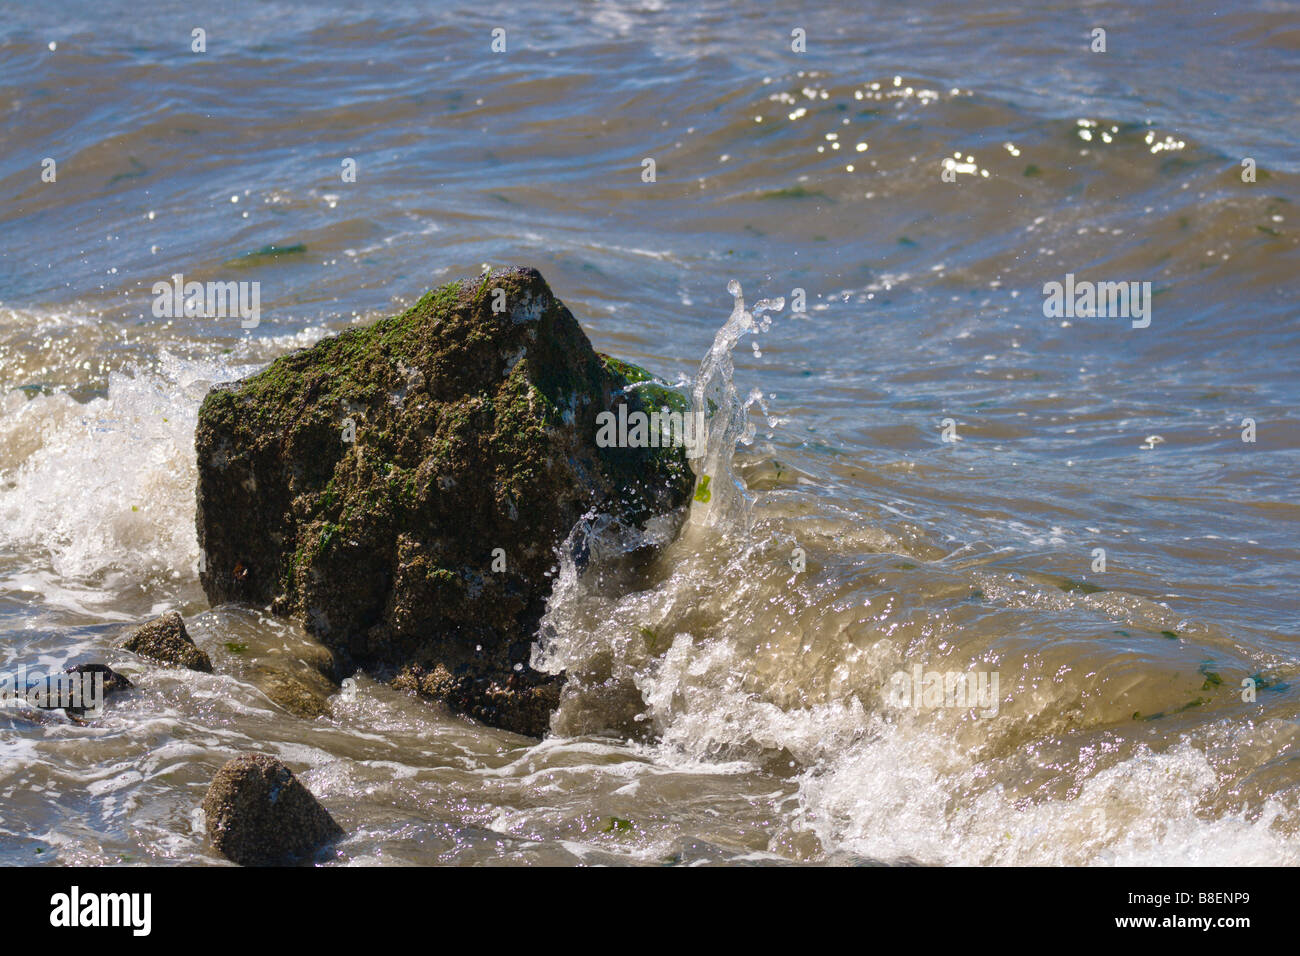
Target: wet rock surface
x=299, y=693
x=50, y=692
x=166, y=641
x=279, y=658
x=401, y=489
x=259, y=814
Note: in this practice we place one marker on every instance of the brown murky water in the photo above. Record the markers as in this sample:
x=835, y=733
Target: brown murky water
x=739, y=701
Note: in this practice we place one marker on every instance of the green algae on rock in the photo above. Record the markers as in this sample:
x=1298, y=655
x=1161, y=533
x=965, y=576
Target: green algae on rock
x=402, y=488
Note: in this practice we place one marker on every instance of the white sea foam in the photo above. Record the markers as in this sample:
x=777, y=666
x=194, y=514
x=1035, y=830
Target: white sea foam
x=105, y=489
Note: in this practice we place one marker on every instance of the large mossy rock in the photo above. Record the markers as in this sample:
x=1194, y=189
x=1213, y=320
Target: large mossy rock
x=365, y=485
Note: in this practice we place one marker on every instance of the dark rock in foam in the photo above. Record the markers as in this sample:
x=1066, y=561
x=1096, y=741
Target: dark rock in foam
x=364, y=485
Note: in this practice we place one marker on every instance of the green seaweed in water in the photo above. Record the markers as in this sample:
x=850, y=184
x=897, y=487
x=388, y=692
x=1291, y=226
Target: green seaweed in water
x=266, y=252
x=793, y=192
x=1212, y=679
x=1082, y=587
x=1187, y=706
x=653, y=642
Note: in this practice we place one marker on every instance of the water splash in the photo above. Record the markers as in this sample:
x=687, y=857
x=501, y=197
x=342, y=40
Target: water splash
x=719, y=490
x=105, y=489
x=608, y=626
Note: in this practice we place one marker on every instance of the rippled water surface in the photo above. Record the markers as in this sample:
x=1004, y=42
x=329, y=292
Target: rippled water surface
x=733, y=703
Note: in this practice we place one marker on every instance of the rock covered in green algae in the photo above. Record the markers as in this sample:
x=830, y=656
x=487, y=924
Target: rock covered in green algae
x=258, y=813
x=402, y=487
x=165, y=640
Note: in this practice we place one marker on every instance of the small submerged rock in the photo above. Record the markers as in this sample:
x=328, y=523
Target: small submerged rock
x=284, y=662
x=259, y=814
x=113, y=681
x=166, y=641
x=110, y=682
x=293, y=692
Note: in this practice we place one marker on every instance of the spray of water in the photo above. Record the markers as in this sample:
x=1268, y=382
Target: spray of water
x=719, y=491
x=614, y=632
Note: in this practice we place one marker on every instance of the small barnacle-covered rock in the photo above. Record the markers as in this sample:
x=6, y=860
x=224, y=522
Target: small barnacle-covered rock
x=401, y=488
x=165, y=640
x=258, y=813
